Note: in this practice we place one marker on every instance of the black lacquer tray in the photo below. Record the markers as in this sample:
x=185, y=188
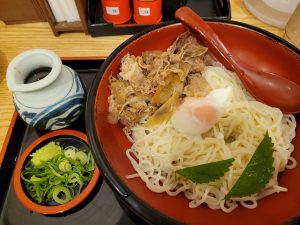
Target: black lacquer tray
x=101, y=207
x=208, y=9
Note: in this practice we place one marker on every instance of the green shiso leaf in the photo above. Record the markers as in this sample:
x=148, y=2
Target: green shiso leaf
x=206, y=172
x=257, y=173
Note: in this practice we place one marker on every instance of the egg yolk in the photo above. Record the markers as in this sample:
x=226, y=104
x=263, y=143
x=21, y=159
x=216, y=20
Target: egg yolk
x=206, y=113
x=201, y=110
x=198, y=115
x=195, y=116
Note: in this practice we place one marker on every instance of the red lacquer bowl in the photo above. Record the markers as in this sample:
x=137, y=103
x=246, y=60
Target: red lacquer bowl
x=252, y=46
x=65, y=136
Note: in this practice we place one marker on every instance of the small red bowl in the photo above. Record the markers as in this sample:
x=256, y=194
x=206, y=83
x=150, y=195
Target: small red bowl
x=252, y=46
x=64, y=136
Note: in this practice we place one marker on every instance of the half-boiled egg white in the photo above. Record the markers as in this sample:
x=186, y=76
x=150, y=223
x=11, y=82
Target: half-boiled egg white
x=198, y=115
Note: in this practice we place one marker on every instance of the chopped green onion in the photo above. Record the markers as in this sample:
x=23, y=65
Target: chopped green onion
x=61, y=194
x=65, y=166
x=82, y=157
x=74, y=177
x=60, y=178
x=70, y=153
x=35, y=179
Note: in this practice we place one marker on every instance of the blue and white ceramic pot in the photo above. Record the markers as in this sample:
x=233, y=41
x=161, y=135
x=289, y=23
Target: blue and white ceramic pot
x=47, y=94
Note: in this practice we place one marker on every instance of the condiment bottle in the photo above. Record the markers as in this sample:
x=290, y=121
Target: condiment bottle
x=116, y=11
x=147, y=11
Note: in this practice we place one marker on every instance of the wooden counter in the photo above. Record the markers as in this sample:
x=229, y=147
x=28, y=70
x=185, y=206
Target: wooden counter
x=17, y=38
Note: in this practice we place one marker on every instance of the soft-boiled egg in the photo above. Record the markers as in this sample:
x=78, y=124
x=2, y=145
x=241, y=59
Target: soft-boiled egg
x=198, y=115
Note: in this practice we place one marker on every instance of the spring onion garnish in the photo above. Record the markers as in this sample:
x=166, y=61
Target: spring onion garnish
x=57, y=174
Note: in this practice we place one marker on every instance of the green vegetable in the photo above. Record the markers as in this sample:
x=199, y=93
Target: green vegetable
x=61, y=194
x=257, y=173
x=65, y=166
x=82, y=157
x=70, y=153
x=45, y=153
x=60, y=178
x=35, y=179
x=206, y=172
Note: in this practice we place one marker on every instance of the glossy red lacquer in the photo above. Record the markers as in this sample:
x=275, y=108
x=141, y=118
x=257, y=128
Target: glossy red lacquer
x=256, y=80
x=250, y=47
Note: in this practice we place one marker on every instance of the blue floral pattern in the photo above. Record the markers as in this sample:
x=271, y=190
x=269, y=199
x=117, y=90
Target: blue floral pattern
x=59, y=115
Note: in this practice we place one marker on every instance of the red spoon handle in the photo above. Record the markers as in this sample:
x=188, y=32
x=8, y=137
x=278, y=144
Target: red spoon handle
x=262, y=85
x=211, y=39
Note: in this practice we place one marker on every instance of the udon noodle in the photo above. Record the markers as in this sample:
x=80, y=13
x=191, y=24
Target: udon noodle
x=158, y=151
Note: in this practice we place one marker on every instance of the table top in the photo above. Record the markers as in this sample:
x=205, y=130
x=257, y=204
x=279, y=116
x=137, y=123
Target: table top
x=15, y=39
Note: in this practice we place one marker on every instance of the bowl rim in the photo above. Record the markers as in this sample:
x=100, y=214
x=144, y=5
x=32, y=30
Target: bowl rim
x=138, y=206
x=48, y=210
